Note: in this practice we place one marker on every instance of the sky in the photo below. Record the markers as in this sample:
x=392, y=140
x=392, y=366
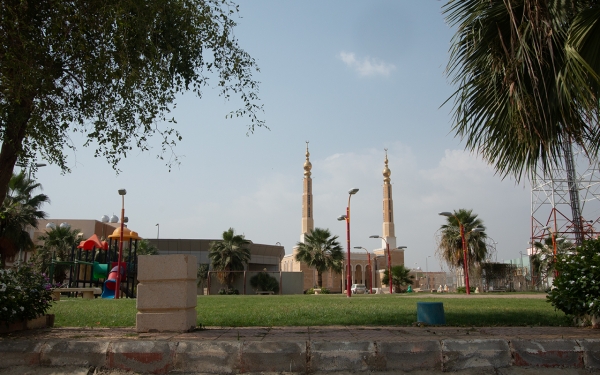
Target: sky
x=351, y=77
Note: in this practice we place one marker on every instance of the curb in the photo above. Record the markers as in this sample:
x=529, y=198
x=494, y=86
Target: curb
x=217, y=357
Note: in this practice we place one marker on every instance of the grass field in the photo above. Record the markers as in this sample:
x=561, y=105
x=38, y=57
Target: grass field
x=318, y=310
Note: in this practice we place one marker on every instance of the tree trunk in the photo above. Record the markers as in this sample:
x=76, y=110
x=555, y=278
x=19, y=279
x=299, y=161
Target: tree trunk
x=12, y=142
x=320, y=279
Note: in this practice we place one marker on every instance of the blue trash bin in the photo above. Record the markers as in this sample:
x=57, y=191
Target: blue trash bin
x=431, y=313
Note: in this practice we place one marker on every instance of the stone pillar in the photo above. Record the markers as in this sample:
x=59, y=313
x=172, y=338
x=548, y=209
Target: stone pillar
x=166, y=293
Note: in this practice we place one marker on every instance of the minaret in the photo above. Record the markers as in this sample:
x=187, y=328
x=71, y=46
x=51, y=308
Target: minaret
x=307, y=199
x=388, y=208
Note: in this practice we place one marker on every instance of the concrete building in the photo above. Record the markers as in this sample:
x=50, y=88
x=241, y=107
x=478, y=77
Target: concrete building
x=262, y=257
x=359, y=261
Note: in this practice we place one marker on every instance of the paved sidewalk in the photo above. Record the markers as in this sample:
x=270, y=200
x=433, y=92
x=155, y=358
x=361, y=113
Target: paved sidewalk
x=306, y=349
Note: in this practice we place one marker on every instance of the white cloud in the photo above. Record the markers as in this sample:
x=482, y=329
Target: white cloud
x=366, y=66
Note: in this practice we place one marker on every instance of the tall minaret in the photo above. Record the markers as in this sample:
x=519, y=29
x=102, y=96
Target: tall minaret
x=388, y=208
x=307, y=199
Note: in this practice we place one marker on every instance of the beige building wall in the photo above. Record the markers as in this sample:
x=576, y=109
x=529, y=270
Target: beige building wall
x=359, y=264
x=331, y=280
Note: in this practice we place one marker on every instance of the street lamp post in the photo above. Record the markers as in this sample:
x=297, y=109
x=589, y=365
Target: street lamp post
x=122, y=193
x=389, y=259
x=347, y=218
x=370, y=269
x=464, y=246
x=427, y=271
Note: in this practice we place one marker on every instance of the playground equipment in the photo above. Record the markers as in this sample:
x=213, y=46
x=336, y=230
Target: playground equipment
x=88, y=264
x=110, y=285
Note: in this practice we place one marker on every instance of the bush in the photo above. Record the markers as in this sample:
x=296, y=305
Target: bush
x=229, y=291
x=265, y=282
x=312, y=290
x=463, y=289
x=576, y=289
x=24, y=294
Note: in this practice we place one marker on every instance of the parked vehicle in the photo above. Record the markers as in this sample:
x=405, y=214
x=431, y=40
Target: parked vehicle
x=358, y=289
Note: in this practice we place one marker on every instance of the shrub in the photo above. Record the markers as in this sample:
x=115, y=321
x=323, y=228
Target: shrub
x=264, y=282
x=463, y=289
x=576, y=288
x=24, y=294
x=228, y=291
x=312, y=290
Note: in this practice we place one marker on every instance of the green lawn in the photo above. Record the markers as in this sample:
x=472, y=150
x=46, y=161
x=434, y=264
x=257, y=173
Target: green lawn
x=315, y=310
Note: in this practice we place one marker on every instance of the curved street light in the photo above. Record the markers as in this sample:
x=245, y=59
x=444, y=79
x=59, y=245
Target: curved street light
x=346, y=217
x=463, y=236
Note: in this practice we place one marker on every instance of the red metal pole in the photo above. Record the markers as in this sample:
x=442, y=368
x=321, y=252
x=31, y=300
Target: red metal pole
x=554, y=252
x=389, y=268
x=348, y=277
x=118, y=283
x=465, y=264
x=370, y=274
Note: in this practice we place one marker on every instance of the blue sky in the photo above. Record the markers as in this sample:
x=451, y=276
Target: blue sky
x=351, y=77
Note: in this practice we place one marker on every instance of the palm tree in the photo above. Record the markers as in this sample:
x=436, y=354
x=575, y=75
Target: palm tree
x=322, y=252
x=528, y=77
x=202, y=274
x=20, y=211
x=229, y=254
x=400, y=277
x=58, y=244
x=146, y=248
x=543, y=261
x=450, y=246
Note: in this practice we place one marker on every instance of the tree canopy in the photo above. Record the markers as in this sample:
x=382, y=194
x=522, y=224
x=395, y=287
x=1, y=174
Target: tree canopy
x=19, y=212
x=111, y=70
x=58, y=243
x=230, y=254
x=543, y=261
x=400, y=277
x=528, y=77
x=321, y=251
x=450, y=241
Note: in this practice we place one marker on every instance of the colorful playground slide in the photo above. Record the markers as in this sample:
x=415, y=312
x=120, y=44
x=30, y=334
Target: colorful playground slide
x=110, y=285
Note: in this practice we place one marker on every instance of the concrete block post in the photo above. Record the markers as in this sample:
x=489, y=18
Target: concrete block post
x=166, y=293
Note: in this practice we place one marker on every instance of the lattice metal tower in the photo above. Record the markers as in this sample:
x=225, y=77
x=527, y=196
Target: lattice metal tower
x=565, y=202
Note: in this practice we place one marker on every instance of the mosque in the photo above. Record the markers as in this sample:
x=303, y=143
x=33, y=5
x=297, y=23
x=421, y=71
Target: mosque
x=359, y=261
x=272, y=258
